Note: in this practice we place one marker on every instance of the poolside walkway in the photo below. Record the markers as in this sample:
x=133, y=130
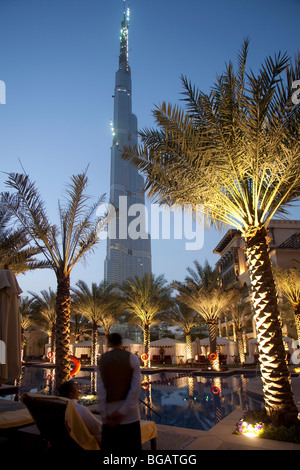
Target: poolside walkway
x=221, y=436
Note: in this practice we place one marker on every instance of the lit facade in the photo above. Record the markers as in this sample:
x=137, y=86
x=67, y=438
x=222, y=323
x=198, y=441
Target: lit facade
x=126, y=256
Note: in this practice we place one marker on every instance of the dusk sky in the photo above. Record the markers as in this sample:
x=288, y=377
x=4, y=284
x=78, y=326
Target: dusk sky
x=58, y=62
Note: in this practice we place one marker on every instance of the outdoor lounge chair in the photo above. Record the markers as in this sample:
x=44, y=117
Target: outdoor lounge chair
x=61, y=427
x=168, y=359
x=54, y=424
x=202, y=359
x=190, y=362
x=251, y=361
x=84, y=358
x=14, y=417
x=156, y=359
x=223, y=359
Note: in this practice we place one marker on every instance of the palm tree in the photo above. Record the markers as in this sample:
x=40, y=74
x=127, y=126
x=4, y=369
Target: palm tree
x=234, y=156
x=198, y=277
x=201, y=276
x=238, y=313
x=197, y=287
x=26, y=319
x=62, y=247
x=79, y=324
x=44, y=315
x=146, y=297
x=209, y=304
x=186, y=318
x=15, y=250
x=99, y=305
x=288, y=283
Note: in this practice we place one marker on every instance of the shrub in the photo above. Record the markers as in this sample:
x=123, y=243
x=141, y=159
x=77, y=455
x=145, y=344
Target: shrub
x=257, y=422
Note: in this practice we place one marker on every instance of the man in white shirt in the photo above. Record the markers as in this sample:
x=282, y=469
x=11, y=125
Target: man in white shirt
x=118, y=397
x=70, y=390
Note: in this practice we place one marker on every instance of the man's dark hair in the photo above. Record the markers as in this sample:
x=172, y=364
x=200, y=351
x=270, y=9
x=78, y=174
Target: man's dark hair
x=66, y=388
x=114, y=339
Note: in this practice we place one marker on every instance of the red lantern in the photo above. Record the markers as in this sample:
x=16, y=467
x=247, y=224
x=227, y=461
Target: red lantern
x=215, y=390
x=77, y=365
x=144, y=357
x=212, y=357
x=145, y=384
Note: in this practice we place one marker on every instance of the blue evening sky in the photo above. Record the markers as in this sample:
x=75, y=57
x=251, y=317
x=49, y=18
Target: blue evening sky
x=58, y=59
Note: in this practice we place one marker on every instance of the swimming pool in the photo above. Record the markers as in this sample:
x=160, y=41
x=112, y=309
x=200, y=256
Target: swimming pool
x=177, y=399
x=194, y=401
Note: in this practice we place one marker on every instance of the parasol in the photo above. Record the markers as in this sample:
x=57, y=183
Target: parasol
x=10, y=327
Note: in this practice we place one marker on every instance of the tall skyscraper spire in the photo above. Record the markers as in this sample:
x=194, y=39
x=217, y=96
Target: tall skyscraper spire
x=123, y=59
x=128, y=254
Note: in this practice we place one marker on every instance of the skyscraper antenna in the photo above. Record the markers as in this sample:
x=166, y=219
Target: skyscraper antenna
x=124, y=37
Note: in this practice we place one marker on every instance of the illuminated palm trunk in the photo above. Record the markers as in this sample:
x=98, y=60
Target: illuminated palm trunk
x=106, y=333
x=297, y=318
x=22, y=343
x=212, y=334
x=278, y=396
x=189, y=352
x=63, y=303
x=94, y=343
x=146, y=327
x=94, y=357
x=240, y=343
x=52, y=342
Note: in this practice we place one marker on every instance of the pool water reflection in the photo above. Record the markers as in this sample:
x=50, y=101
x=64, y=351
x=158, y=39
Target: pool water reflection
x=170, y=398
x=194, y=401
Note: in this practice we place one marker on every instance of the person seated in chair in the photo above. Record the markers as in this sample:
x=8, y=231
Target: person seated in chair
x=70, y=390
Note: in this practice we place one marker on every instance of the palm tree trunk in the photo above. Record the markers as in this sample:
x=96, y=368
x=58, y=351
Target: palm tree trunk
x=188, y=339
x=146, y=328
x=52, y=342
x=212, y=334
x=94, y=357
x=94, y=344
x=278, y=396
x=240, y=344
x=106, y=333
x=297, y=319
x=22, y=344
x=62, y=331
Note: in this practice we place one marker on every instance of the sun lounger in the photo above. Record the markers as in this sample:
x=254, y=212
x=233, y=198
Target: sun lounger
x=156, y=359
x=168, y=359
x=61, y=426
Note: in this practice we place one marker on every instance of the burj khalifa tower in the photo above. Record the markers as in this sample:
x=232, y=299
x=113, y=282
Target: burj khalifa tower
x=128, y=252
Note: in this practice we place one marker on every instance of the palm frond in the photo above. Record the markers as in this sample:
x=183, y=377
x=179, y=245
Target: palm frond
x=234, y=152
